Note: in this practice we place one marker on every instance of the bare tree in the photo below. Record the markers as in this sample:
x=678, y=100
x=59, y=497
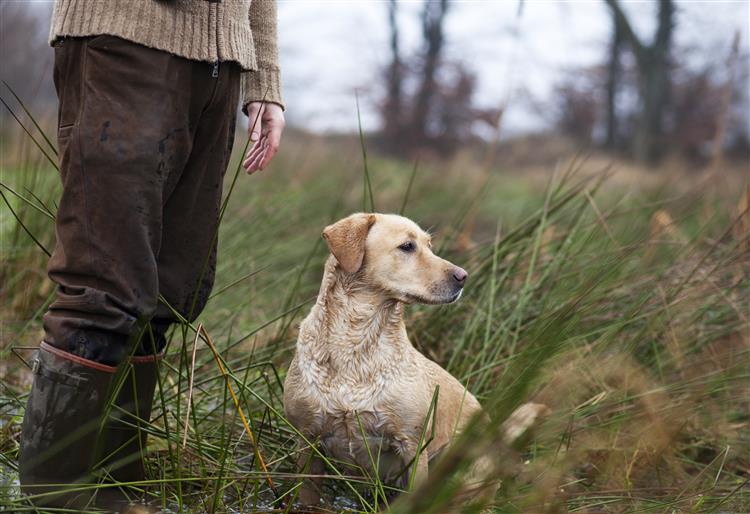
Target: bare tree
x=433, y=17
x=614, y=69
x=429, y=103
x=578, y=108
x=653, y=64
x=722, y=120
x=393, y=108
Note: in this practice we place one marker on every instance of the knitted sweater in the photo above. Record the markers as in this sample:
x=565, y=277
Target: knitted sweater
x=243, y=31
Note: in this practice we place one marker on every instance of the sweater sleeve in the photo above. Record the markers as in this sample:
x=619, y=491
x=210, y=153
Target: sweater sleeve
x=263, y=84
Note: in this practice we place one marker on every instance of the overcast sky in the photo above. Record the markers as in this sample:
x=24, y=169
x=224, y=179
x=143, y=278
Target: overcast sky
x=329, y=48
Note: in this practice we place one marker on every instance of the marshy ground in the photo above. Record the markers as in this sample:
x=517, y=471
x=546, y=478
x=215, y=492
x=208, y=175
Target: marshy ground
x=616, y=295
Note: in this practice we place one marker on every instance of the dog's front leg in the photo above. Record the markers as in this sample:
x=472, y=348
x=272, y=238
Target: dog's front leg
x=310, y=490
x=422, y=468
x=418, y=470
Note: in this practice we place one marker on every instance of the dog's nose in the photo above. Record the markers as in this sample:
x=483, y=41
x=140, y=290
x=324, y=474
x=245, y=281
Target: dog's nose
x=459, y=275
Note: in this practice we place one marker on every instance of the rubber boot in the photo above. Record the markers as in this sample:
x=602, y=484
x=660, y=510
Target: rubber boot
x=60, y=427
x=125, y=434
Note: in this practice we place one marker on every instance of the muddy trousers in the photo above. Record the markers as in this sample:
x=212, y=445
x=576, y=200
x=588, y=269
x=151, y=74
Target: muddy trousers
x=144, y=141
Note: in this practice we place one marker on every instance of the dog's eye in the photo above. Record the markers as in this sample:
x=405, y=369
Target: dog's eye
x=408, y=246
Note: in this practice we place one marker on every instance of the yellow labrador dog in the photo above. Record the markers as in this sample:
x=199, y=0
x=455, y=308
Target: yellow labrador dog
x=356, y=383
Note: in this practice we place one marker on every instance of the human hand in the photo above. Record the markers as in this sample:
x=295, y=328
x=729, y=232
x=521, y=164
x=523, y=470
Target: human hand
x=266, y=123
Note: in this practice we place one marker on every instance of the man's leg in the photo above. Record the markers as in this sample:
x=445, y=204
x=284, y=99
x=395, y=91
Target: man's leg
x=124, y=131
x=186, y=259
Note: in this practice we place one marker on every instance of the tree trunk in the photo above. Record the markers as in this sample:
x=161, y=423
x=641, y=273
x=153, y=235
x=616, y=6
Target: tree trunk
x=393, y=105
x=655, y=84
x=432, y=30
x=654, y=80
x=613, y=78
x=648, y=141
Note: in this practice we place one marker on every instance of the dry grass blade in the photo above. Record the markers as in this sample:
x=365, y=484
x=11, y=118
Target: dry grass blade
x=237, y=405
x=190, y=385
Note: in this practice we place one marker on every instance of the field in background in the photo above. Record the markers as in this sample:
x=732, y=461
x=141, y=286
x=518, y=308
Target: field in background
x=617, y=296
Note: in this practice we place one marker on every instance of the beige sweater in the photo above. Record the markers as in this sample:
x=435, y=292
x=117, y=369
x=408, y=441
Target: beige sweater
x=243, y=31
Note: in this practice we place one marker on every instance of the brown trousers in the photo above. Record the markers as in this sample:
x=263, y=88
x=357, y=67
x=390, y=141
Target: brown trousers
x=144, y=138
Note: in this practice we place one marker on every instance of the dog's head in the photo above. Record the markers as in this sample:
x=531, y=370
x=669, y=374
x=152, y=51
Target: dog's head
x=390, y=254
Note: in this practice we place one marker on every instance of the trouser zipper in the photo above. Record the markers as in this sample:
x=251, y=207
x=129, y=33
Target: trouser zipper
x=215, y=69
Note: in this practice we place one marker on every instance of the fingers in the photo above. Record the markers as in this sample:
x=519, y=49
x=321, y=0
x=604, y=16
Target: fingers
x=255, y=120
x=255, y=156
x=255, y=112
x=266, y=138
x=274, y=139
x=251, y=159
x=256, y=162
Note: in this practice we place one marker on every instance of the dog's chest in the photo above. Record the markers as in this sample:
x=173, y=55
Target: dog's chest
x=349, y=388
x=355, y=404
x=358, y=424
x=364, y=438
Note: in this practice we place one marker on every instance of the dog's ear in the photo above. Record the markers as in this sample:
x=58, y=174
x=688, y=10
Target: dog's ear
x=346, y=240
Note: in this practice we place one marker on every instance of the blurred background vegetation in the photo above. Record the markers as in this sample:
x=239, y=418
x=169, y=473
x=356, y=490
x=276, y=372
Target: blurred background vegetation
x=586, y=162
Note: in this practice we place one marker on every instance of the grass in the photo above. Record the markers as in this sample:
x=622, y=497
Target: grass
x=624, y=308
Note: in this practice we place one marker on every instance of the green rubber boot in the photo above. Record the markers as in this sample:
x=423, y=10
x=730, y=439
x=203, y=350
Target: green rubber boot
x=125, y=434
x=60, y=427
